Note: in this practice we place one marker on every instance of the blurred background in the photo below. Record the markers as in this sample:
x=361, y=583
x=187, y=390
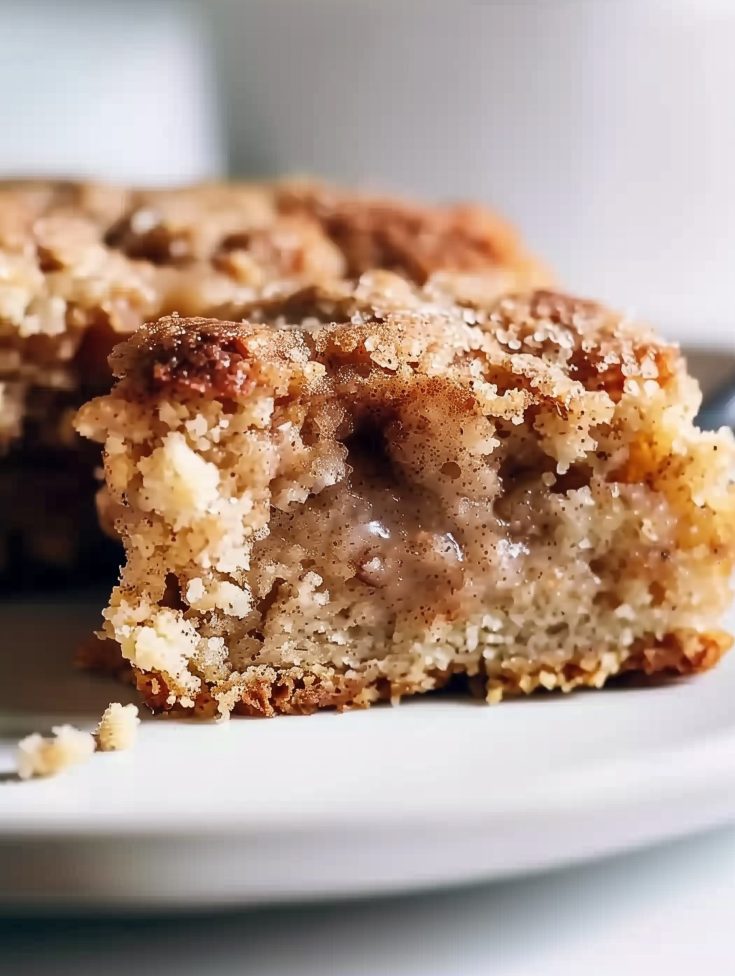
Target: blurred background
x=604, y=128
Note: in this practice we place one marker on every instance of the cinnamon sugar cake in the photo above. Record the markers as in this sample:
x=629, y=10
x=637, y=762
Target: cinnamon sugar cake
x=82, y=266
x=358, y=493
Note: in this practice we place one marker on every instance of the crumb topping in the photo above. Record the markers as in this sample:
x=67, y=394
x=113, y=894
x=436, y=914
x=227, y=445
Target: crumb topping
x=83, y=265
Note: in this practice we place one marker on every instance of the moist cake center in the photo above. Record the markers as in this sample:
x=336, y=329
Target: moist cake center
x=386, y=555
x=375, y=530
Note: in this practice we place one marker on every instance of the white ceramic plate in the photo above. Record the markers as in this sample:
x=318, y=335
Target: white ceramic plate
x=435, y=791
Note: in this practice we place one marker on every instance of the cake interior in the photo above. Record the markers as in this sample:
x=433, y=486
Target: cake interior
x=342, y=529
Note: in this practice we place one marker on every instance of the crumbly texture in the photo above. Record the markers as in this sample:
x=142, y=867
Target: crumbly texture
x=68, y=746
x=375, y=489
x=118, y=728
x=82, y=266
x=50, y=755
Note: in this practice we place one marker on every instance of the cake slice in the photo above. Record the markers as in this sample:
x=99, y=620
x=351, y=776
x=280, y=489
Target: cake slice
x=373, y=490
x=83, y=265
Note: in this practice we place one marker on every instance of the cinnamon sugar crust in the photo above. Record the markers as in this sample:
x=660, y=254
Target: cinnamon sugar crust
x=82, y=266
x=396, y=488
x=384, y=233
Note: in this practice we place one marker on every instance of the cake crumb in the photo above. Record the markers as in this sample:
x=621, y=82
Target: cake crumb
x=40, y=755
x=118, y=727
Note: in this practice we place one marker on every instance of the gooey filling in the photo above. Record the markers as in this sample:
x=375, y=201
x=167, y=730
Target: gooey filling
x=381, y=556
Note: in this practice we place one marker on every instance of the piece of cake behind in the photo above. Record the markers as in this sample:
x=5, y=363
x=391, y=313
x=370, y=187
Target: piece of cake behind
x=325, y=514
x=83, y=265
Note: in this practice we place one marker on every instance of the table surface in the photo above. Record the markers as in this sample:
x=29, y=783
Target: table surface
x=666, y=910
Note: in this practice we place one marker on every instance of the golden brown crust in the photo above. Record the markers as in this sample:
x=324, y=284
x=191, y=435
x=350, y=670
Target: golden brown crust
x=270, y=691
x=683, y=652
x=540, y=342
x=83, y=265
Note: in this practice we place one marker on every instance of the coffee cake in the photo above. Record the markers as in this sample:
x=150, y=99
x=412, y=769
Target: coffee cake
x=360, y=493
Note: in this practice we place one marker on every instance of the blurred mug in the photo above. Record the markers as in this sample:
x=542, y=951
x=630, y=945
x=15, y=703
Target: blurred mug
x=606, y=129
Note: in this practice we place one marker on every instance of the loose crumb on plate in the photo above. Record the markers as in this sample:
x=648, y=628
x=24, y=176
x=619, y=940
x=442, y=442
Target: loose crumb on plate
x=118, y=727
x=40, y=755
x=67, y=746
